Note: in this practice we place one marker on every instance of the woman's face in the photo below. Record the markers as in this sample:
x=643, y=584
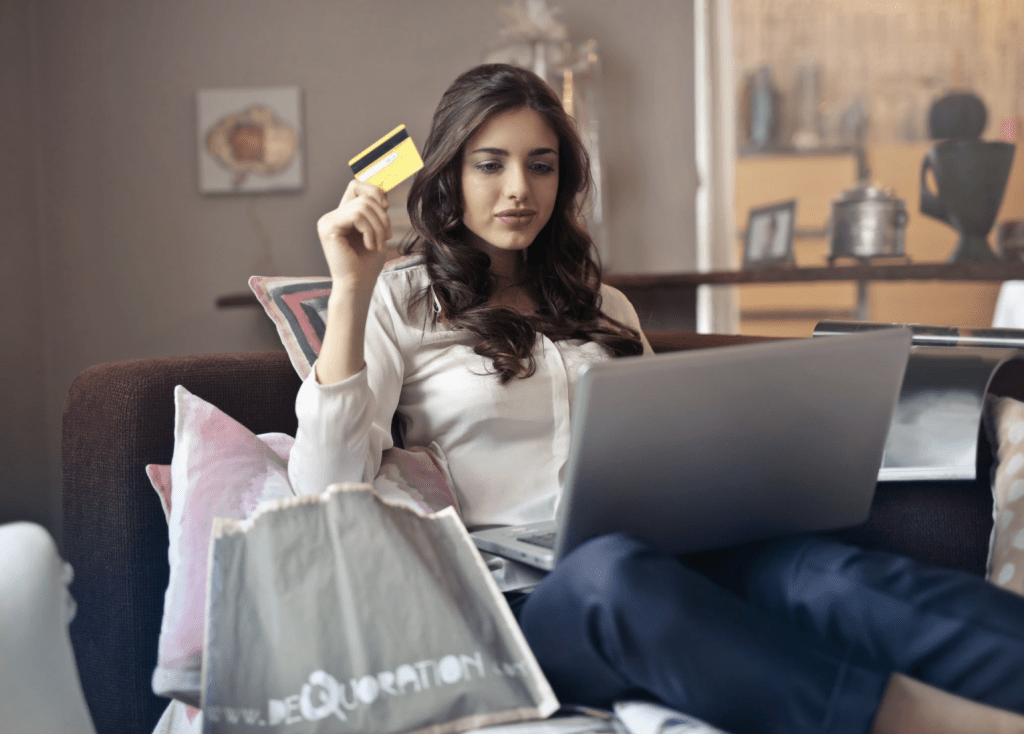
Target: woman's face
x=509, y=182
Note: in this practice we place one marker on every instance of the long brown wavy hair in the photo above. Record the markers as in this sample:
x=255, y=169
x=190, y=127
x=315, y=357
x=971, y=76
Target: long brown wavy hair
x=562, y=273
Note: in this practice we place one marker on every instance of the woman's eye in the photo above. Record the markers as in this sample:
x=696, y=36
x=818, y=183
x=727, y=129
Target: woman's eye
x=488, y=166
x=543, y=168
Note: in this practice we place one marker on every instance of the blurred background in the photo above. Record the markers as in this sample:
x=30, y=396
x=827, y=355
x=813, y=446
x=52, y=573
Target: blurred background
x=865, y=74
x=111, y=250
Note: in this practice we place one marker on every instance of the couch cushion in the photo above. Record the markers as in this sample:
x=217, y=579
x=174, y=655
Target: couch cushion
x=1004, y=421
x=118, y=418
x=219, y=469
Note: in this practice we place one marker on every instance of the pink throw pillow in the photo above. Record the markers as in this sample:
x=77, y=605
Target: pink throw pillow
x=413, y=477
x=219, y=469
x=160, y=474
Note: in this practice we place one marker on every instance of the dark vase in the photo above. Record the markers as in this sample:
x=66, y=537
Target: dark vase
x=957, y=115
x=971, y=176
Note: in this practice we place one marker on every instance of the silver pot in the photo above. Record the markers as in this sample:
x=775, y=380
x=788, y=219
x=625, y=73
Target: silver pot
x=867, y=222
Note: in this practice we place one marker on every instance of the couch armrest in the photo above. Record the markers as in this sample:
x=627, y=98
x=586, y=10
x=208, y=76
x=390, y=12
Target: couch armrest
x=119, y=417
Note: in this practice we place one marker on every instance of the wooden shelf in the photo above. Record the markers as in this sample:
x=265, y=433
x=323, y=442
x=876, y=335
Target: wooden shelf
x=668, y=301
x=842, y=150
x=996, y=271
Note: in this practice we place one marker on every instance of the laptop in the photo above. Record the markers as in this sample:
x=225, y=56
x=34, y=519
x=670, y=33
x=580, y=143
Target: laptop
x=715, y=447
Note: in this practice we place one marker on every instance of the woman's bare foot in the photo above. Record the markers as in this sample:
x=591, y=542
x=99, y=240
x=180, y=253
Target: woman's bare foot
x=911, y=707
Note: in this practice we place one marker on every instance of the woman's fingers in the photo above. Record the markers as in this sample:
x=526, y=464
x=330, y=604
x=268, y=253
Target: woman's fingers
x=357, y=189
x=377, y=216
x=364, y=215
x=358, y=228
x=374, y=237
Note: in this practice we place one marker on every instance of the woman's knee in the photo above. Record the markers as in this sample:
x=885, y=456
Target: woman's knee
x=605, y=588
x=569, y=618
x=603, y=570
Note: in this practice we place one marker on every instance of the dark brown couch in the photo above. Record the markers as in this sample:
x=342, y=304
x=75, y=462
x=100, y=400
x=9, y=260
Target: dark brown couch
x=120, y=417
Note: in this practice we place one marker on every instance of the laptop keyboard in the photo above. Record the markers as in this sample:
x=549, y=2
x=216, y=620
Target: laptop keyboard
x=544, y=540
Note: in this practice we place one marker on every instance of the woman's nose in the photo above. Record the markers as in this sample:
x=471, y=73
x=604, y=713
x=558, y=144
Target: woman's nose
x=517, y=183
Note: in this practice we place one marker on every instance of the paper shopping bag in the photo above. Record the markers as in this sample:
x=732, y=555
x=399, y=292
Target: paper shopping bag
x=343, y=612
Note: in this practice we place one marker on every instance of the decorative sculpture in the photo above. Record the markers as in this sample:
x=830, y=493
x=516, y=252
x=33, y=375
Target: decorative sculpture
x=970, y=175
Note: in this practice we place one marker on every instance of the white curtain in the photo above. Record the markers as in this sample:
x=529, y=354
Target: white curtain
x=715, y=109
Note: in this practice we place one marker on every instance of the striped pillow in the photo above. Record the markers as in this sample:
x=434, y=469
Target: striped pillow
x=298, y=308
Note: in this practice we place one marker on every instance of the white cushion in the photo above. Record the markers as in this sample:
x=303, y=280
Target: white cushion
x=1004, y=421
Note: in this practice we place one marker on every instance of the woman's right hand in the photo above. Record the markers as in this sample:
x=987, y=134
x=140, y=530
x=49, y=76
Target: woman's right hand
x=354, y=236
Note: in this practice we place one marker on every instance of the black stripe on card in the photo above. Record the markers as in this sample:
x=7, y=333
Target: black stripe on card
x=379, y=151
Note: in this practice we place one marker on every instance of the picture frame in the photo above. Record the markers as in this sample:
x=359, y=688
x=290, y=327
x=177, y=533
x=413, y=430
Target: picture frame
x=769, y=237
x=250, y=140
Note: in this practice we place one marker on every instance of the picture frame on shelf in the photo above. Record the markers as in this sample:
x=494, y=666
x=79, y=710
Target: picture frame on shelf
x=769, y=237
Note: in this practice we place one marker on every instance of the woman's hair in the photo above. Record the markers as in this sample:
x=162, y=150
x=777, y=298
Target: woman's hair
x=562, y=275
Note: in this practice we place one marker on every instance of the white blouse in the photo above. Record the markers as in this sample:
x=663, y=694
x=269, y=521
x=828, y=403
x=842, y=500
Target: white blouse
x=503, y=447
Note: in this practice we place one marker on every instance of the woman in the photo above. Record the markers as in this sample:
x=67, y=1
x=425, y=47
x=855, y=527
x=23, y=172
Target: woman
x=475, y=346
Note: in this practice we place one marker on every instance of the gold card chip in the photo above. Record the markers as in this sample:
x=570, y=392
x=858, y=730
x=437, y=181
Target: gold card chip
x=389, y=161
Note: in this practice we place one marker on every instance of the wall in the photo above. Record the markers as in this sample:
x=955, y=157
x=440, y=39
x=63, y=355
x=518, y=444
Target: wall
x=132, y=257
x=23, y=435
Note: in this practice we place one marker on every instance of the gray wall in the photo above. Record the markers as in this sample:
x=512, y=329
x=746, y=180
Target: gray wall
x=112, y=253
x=24, y=492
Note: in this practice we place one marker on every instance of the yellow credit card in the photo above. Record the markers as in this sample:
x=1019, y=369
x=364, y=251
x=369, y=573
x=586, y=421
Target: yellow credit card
x=389, y=161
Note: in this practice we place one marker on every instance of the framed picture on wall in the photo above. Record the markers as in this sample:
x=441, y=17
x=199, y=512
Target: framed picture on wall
x=250, y=140
x=769, y=241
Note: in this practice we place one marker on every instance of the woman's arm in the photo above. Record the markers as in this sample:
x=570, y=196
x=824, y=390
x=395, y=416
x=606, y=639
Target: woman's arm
x=353, y=238
x=344, y=425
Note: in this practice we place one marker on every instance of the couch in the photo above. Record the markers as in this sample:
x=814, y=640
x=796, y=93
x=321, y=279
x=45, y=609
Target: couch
x=120, y=416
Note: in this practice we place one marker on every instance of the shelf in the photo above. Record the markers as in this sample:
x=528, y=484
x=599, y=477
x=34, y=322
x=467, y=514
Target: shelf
x=662, y=296
x=996, y=271
x=748, y=152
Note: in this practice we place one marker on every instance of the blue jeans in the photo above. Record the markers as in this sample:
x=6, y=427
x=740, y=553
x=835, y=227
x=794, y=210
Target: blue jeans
x=797, y=635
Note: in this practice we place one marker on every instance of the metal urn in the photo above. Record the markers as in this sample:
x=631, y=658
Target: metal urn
x=867, y=222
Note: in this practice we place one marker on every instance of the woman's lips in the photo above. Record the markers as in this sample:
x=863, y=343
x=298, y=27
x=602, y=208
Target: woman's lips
x=516, y=217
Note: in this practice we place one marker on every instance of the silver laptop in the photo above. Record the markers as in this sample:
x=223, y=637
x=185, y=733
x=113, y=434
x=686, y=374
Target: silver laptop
x=714, y=447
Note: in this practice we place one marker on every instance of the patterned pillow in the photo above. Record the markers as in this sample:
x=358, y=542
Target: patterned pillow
x=219, y=468
x=298, y=308
x=160, y=474
x=1004, y=422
